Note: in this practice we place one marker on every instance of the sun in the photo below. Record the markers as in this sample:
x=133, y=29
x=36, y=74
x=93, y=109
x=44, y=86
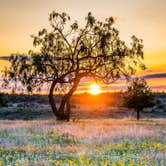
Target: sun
x=94, y=89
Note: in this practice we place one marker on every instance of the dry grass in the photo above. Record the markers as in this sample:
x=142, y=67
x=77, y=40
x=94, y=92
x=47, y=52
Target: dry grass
x=95, y=128
x=83, y=142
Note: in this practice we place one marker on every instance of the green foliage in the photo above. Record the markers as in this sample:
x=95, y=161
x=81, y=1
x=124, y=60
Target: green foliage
x=138, y=95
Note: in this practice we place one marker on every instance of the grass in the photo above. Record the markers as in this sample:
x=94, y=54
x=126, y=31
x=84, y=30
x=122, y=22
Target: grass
x=97, y=142
x=29, y=137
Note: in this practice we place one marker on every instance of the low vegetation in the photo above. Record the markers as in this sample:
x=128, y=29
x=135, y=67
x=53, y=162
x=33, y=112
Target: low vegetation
x=29, y=107
x=98, y=134
x=83, y=143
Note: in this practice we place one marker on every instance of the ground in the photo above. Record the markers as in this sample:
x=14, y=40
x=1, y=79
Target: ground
x=96, y=142
x=97, y=135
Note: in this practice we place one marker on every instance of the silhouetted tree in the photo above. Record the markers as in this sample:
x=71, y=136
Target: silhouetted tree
x=3, y=100
x=68, y=52
x=138, y=96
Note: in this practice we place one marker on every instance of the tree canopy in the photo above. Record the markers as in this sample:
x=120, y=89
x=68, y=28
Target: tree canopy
x=138, y=96
x=68, y=52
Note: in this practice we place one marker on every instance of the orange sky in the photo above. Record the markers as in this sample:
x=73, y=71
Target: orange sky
x=144, y=18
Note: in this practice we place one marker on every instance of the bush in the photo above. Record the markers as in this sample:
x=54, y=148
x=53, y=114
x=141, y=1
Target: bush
x=3, y=100
x=138, y=96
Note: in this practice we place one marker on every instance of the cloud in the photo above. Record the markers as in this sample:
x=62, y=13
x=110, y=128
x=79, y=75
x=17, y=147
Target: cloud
x=4, y=58
x=157, y=75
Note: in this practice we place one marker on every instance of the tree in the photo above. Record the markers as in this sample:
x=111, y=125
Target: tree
x=138, y=96
x=68, y=52
x=3, y=100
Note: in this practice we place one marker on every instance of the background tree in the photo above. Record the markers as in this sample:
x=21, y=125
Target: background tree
x=68, y=52
x=3, y=99
x=138, y=96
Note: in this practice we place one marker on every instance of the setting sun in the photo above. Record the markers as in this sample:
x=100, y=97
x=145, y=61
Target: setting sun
x=94, y=89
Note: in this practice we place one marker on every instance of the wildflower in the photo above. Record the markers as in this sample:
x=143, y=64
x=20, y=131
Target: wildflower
x=156, y=145
x=119, y=163
x=1, y=149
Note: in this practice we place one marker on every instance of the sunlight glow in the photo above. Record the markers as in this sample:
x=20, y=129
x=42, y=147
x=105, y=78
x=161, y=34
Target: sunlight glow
x=94, y=89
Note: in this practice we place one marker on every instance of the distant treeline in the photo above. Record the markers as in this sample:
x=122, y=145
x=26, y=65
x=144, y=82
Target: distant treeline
x=113, y=98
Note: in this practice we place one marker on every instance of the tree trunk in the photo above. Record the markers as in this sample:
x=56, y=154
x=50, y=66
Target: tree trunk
x=51, y=99
x=68, y=110
x=64, y=110
x=138, y=114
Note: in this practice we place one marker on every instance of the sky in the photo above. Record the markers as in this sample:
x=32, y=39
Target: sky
x=144, y=18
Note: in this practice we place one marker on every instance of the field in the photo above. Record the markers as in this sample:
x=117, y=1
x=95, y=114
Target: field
x=84, y=142
x=97, y=135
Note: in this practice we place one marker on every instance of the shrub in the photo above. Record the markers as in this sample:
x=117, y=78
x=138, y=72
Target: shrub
x=138, y=96
x=3, y=100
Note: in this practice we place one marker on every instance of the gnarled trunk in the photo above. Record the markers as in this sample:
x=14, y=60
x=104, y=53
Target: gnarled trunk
x=138, y=114
x=64, y=110
x=51, y=99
